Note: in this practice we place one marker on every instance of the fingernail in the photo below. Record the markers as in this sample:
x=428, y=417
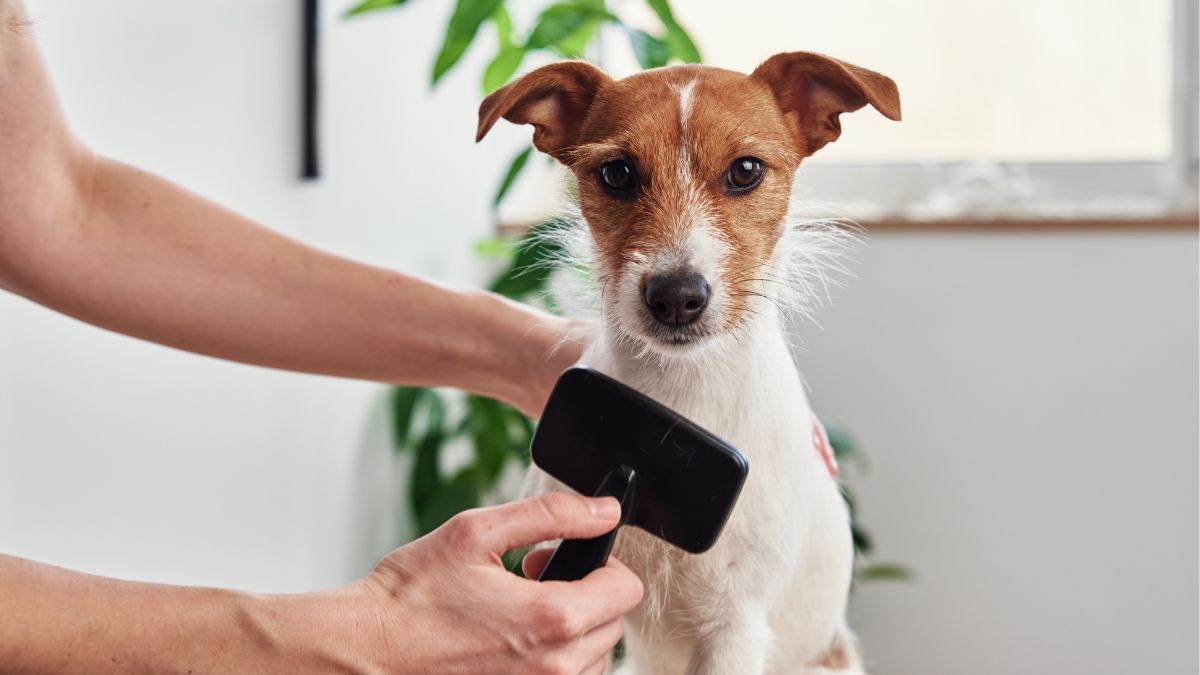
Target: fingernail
x=606, y=508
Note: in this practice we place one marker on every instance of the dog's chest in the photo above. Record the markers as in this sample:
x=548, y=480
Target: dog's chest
x=760, y=409
x=763, y=529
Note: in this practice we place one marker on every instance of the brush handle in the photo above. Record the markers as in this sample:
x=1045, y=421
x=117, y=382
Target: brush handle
x=574, y=559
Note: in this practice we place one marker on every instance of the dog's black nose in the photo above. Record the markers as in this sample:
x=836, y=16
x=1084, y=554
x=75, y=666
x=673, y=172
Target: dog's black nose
x=677, y=299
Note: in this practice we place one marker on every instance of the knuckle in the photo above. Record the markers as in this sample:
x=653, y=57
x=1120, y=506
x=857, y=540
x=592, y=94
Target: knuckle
x=558, y=506
x=563, y=626
x=557, y=623
x=464, y=530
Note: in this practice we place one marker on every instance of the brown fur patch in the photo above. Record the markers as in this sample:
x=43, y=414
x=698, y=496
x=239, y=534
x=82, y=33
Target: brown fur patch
x=638, y=119
x=835, y=657
x=813, y=90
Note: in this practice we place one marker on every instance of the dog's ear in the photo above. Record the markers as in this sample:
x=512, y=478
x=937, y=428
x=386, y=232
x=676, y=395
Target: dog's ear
x=812, y=90
x=554, y=99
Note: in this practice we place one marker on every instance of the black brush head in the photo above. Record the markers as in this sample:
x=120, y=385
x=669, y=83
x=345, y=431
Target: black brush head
x=687, y=480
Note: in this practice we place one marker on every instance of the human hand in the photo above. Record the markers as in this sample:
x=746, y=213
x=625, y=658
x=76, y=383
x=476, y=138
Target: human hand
x=445, y=603
x=553, y=344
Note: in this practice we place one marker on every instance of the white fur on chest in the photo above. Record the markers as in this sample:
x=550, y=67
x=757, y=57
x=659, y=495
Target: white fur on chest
x=785, y=552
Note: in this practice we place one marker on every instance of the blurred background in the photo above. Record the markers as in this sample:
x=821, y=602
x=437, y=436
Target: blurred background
x=1016, y=355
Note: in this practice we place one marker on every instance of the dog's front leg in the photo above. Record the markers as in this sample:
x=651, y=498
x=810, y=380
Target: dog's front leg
x=738, y=647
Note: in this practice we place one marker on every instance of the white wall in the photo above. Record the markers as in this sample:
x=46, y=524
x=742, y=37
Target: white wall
x=1028, y=401
x=1029, y=404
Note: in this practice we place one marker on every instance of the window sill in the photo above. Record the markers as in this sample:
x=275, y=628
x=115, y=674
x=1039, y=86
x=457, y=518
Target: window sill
x=1176, y=223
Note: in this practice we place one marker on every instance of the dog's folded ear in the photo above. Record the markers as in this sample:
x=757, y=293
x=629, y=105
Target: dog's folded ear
x=812, y=90
x=554, y=99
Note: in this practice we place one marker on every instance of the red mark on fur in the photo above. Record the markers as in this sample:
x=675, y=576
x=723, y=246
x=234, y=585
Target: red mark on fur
x=821, y=443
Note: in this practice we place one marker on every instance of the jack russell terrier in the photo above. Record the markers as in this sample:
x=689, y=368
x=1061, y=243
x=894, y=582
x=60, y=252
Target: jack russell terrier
x=685, y=179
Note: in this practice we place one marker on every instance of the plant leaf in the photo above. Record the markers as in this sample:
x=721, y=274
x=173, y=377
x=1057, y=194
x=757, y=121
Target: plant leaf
x=574, y=45
x=426, y=479
x=524, y=433
x=504, y=26
x=415, y=412
x=841, y=443
x=455, y=496
x=651, y=52
x=468, y=16
x=403, y=403
x=526, y=426
x=848, y=496
x=561, y=21
x=372, y=5
x=681, y=44
x=510, y=176
x=512, y=560
x=862, y=540
x=509, y=55
x=531, y=267
x=501, y=68
x=883, y=572
x=489, y=431
x=430, y=414
x=495, y=248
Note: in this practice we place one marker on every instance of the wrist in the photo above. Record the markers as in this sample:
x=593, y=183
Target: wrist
x=323, y=632
x=533, y=348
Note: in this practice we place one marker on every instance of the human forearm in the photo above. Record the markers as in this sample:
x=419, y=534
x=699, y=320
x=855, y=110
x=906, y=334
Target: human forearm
x=442, y=604
x=199, y=277
x=129, y=251
x=62, y=622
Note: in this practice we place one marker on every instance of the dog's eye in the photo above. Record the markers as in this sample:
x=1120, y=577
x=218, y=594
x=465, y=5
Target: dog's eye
x=744, y=175
x=618, y=178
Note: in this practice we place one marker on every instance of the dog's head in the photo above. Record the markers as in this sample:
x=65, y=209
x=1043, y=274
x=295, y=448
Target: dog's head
x=685, y=175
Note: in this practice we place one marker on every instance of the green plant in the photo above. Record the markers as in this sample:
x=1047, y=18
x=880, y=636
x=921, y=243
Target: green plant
x=563, y=29
x=846, y=451
x=427, y=422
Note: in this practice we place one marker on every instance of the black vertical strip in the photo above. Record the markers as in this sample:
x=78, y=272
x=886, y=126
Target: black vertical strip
x=310, y=168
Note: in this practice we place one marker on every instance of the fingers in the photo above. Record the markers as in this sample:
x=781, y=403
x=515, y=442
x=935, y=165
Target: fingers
x=554, y=515
x=598, y=644
x=535, y=561
x=601, y=597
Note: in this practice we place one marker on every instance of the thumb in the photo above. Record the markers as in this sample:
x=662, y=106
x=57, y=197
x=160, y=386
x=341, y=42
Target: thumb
x=554, y=515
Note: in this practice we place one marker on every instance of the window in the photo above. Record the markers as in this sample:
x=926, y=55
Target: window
x=1023, y=109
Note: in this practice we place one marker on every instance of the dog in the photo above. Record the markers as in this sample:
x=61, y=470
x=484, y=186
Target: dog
x=685, y=182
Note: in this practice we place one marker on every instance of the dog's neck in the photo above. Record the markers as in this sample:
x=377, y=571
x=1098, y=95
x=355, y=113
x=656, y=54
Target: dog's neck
x=747, y=370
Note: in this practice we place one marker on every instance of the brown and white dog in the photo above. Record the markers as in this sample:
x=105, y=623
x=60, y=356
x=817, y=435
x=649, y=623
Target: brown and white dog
x=685, y=179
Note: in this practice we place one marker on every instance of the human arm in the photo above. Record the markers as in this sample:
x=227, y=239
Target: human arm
x=127, y=250
x=442, y=604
